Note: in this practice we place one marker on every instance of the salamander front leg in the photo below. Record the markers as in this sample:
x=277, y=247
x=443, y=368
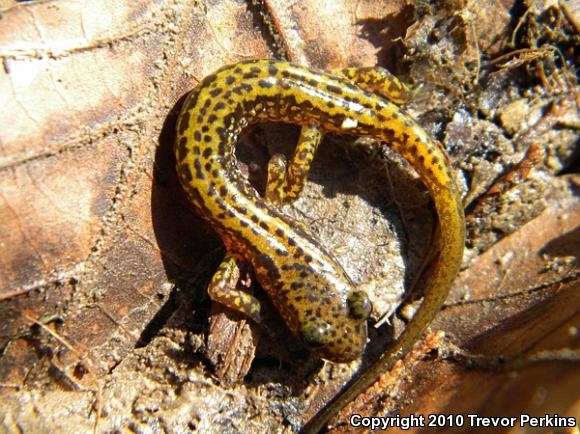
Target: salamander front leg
x=286, y=182
x=222, y=289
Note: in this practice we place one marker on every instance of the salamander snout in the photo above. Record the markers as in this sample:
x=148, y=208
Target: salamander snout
x=340, y=335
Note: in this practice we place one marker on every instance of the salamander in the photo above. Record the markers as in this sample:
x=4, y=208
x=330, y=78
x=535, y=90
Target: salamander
x=306, y=284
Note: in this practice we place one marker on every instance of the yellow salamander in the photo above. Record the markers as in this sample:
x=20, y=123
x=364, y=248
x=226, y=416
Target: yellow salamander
x=306, y=284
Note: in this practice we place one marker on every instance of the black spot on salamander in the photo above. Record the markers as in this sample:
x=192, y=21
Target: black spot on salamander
x=238, y=112
x=292, y=76
x=264, y=226
x=223, y=191
x=388, y=133
x=211, y=191
x=279, y=232
x=207, y=152
x=184, y=122
x=308, y=258
x=254, y=218
x=346, y=72
x=197, y=136
x=266, y=261
x=413, y=149
x=431, y=173
x=209, y=80
x=192, y=100
x=330, y=104
x=291, y=242
x=260, y=204
x=242, y=210
x=244, y=223
x=196, y=150
x=296, y=285
x=212, y=118
x=409, y=123
x=240, y=186
x=219, y=201
x=215, y=92
x=181, y=149
x=265, y=84
x=219, y=106
x=204, y=129
x=207, y=167
x=238, y=70
x=215, y=173
x=230, y=79
x=249, y=75
x=313, y=82
x=298, y=253
x=303, y=274
x=272, y=70
x=352, y=87
x=281, y=252
x=207, y=138
x=198, y=172
x=222, y=133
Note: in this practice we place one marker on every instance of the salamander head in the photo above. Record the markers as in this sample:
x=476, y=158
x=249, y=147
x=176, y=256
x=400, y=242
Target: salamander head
x=336, y=329
x=314, y=295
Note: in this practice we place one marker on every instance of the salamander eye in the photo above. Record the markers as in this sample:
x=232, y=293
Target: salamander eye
x=316, y=333
x=359, y=305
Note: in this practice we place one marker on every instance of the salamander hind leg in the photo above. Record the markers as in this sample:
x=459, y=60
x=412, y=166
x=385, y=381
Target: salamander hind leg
x=377, y=80
x=286, y=181
x=222, y=289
